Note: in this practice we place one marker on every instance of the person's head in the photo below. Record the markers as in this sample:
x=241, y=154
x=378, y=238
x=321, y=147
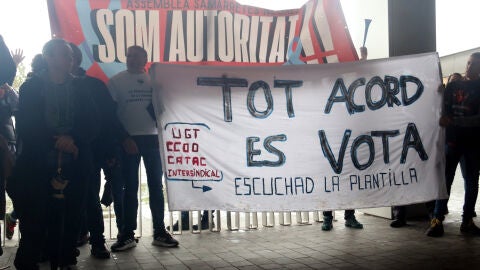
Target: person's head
x=77, y=55
x=38, y=63
x=136, y=59
x=57, y=54
x=454, y=77
x=473, y=66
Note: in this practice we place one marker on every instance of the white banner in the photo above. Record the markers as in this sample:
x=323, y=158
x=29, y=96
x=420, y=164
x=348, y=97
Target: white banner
x=311, y=137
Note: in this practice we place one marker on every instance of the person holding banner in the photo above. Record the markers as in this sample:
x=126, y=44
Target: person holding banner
x=350, y=220
x=132, y=91
x=461, y=117
x=400, y=212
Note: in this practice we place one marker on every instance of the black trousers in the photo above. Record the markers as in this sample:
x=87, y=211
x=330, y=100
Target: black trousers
x=45, y=219
x=92, y=218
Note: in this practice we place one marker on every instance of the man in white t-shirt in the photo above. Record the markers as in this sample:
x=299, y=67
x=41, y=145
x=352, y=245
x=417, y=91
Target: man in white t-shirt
x=132, y=91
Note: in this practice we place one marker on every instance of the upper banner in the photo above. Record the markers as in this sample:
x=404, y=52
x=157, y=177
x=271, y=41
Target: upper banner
x=311, y=137
x=201, y=32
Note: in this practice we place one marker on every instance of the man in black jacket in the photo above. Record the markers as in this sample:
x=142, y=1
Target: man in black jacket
x=56, y=124
x=104, y=155
x=461, y=117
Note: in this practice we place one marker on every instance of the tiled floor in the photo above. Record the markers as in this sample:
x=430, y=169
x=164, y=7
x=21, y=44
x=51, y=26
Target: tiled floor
x=377, y=246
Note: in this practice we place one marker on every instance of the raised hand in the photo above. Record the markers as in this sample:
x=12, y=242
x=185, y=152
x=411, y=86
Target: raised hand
x=17, y=56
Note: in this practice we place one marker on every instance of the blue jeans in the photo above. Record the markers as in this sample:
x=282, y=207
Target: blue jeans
x=125, y=189
x=470, y=158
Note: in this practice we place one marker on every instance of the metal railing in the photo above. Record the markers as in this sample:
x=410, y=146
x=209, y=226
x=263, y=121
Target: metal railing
x=234, y=220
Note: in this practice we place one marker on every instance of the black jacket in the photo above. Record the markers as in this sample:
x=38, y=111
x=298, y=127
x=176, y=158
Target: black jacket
x=462, y=103
x=111, y=132
x=32, y=128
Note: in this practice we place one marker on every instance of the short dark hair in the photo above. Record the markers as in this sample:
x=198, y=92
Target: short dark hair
x=140, y=49
x=452, y=77
x=49, y=47
x=475, y=55
x=38, y=63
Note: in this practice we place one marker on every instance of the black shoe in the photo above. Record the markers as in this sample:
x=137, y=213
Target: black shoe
x=99, y=251
x=468, y=227
x=164, y=239
x=119, y=235
x=204, y=224
x=70, y=262
x=435, y=229
x=353, y=223
x=398, y=223
x=327, y=223
x=123, y=244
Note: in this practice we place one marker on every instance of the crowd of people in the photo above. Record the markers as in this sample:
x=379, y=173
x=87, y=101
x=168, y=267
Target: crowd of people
x=70, y=126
